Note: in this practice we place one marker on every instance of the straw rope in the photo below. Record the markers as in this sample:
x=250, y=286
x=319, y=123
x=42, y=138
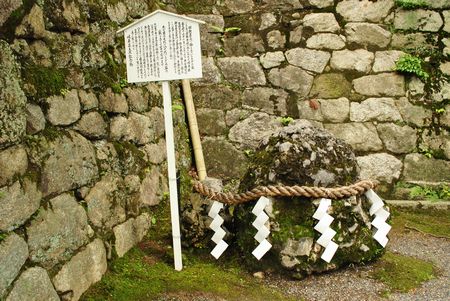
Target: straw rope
x=281, y=190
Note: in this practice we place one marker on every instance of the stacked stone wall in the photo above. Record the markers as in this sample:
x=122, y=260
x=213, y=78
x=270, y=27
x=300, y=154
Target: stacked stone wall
x=82, y=153
x=332, y=63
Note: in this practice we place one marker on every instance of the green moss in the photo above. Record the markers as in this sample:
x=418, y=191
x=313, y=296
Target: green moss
x=141, y=275
x=436, y=222
x=402, y=273
x=293, y=224
x=411, y=4
x=112, y=75
x=131, y=158
x=194, y=6
x=46, y=81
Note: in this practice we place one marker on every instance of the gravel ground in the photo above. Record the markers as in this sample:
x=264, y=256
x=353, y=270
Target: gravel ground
x=354, y=283
x=436, y=250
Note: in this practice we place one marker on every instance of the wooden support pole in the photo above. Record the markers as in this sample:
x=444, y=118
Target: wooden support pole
x=193, y=128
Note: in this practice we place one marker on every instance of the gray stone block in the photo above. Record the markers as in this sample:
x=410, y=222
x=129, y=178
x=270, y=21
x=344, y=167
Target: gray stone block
x=17, y=203
x=326, y=41
x=211, y=122
x=419, y=19
x=63, y=110
x=218, y=154
x=244, y=71
x=291, y=78
x=398, y=139
x=57, y=232
x=84, y=269
x=365, y=10
x=383, y=84
x=374, y=109
x=420, y=168
x=382, y=167
x=92, y=125
x=33, y=284
x=13, y=163
x=71, y=164
x=35, y=119
x=361, y=136
x=130, y=233
x=321, y=22
x=13, y=254
x=366, y=34
x=105, y=203
x=311, y=60
x=359, y=60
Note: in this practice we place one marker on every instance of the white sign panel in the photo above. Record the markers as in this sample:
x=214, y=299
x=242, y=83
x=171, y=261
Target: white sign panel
x=163, y=47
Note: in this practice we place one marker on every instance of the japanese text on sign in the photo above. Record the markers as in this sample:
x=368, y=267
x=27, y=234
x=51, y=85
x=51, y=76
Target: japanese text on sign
x=163, y=48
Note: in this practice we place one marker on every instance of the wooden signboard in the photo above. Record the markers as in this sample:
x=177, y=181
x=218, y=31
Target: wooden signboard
x=164, y=46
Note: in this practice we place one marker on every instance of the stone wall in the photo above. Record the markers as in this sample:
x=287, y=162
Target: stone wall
x=82, y=153
x=332, y=63
x=82, y=156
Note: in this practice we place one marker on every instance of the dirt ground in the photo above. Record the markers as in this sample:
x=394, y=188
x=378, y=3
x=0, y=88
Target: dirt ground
x=354, y=283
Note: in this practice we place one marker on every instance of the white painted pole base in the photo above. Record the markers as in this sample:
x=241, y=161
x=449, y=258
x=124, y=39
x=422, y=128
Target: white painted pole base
x=170, y=146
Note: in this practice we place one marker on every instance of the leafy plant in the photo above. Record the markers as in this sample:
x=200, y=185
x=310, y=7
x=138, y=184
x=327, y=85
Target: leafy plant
x=232, y=30
x=248, y=152
x=431, y=193
x=411, y=4
x=3, y=236
x=285, y=121
x=426, y=152
x=177, y=108
x=440, y=110
x=411, y=64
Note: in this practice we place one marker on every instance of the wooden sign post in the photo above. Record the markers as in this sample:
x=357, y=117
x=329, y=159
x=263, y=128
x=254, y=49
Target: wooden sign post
x=164, y=46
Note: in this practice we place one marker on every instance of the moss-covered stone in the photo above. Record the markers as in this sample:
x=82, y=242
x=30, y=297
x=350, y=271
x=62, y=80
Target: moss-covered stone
x=302, y=155
x=43, y=81
x=330, y=85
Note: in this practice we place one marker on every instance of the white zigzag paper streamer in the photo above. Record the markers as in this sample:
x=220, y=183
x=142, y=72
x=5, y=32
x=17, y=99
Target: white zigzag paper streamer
x=263, y=231
x=219, y=234
x=381, y=215
x=323, y=226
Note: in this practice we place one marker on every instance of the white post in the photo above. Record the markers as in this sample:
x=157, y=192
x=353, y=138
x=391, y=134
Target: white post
x=170, y=146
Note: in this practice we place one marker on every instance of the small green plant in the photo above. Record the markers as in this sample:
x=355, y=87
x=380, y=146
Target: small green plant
x=429, y=153
x=411, y=4
x=177, y=108
x=431, y=193
x=227, y=30
x=412, y=65
x=64, y=92
x=232, y=30
x=440, y=111
x=249, y=153
x=153, y=220
x=285, y=121
x=3, y=236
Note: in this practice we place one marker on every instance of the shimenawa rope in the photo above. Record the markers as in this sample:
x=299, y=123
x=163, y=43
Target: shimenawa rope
x=281, y=190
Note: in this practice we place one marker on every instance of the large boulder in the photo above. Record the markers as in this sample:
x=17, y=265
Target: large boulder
x=303, y=155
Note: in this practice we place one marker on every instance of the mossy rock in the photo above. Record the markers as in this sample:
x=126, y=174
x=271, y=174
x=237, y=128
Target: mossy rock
x=303, y=155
